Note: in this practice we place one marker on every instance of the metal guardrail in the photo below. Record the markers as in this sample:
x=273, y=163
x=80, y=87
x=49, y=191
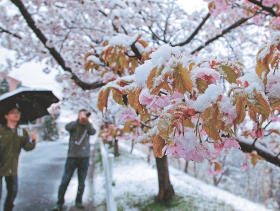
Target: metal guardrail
x=107, y=160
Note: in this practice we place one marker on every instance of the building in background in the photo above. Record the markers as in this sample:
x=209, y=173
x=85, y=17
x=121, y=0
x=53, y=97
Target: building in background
x=8, y=83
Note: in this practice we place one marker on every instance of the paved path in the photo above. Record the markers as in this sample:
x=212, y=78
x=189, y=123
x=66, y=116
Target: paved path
x=40, y=172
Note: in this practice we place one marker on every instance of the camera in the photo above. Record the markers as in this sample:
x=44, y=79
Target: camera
x=85, y=115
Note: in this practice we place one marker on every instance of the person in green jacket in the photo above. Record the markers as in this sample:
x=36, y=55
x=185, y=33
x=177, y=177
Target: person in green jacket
x=12, y=139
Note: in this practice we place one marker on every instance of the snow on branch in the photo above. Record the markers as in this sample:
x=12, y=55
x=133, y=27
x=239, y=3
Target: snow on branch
x=53, y=52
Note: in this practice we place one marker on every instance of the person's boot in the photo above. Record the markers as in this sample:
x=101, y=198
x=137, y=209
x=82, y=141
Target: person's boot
x=8, y=207
x=79, y=205
x=57, y=207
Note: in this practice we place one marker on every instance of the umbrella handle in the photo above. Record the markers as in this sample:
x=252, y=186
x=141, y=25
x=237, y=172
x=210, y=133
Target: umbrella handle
x=31, y=133
x=29, y=128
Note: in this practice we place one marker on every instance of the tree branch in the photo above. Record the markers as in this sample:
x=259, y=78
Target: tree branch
x=154, y=35
x=269, y=157
x=10, y=33
x=166, y=24
x=54, y=53
x=267, y=9
x=136, y=51
x=194, y=33
x=225, y=31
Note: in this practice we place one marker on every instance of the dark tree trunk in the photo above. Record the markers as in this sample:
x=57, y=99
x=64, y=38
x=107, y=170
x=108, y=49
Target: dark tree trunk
x=166, y=191
x=216, y=180
x=116, y=148
x=149, y=154
x=186, y=167
x=132, y=145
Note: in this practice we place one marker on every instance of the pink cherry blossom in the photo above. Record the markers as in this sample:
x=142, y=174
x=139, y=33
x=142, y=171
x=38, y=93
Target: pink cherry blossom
x=145, y=98
x=231, y=143
x=128, y=115
x=109, y=76
x=227, y=143
x=188, y=147
x=245, y=167
x=215, y=172
x=176, y=96
x=219, y=7
x=153, y=102
x=258, y=132
x=258, y=20
x=269, y=3
x=276, y=21
x=210, y=78
x=275, y=118
x=203, y=133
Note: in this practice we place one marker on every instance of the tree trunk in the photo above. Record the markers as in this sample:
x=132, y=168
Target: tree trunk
x=132, y=145
x=149, y=154
x=116, y=148
x=186, y=167
x=166, y=191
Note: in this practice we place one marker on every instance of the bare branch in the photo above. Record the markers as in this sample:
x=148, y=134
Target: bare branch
x=102, y=12
x=154, y=35
x=136, y=51
x=2, y=30
x=269, y=157
x=190, y=38
x=224, y=32
x=166, y=24
x=65, y=38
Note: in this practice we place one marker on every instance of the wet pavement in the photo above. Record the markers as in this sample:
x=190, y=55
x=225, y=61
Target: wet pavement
x=40, y=172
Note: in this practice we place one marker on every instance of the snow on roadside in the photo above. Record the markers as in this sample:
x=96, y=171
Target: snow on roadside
x=136, y=183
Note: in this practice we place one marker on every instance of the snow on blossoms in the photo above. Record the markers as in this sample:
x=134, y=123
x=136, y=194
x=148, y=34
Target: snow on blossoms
x=207, y=99
x=154, y=102
x=228, y=109
x=188, y=147
x=208, y=74
x=165, y=55
x=273, y=85
x=225, y=144
x=252, y=81
x=127, y=114
x=151, y=101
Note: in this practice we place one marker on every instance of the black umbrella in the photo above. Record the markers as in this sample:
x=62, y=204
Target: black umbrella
x=32, y=103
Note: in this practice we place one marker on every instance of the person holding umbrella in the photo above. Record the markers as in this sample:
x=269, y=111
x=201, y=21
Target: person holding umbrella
x=77, y=158
x=12, y=139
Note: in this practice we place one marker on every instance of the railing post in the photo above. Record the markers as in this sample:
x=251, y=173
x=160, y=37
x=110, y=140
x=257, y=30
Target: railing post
x=110, y=164
x=108, y=171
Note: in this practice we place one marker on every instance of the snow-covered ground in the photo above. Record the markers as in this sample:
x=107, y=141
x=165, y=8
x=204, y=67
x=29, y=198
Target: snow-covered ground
x=40, y=173
x=136, y=185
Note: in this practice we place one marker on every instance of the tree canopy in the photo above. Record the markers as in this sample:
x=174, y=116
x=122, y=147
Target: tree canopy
x=198, y=83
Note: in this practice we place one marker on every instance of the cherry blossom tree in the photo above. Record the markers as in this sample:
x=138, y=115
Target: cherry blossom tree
x=183, y=74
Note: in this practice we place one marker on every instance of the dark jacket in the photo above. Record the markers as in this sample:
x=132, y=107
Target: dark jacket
x=79, y=139
x=11, y=142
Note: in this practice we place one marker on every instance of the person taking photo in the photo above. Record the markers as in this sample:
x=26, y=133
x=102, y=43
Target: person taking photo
x=77, y=158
